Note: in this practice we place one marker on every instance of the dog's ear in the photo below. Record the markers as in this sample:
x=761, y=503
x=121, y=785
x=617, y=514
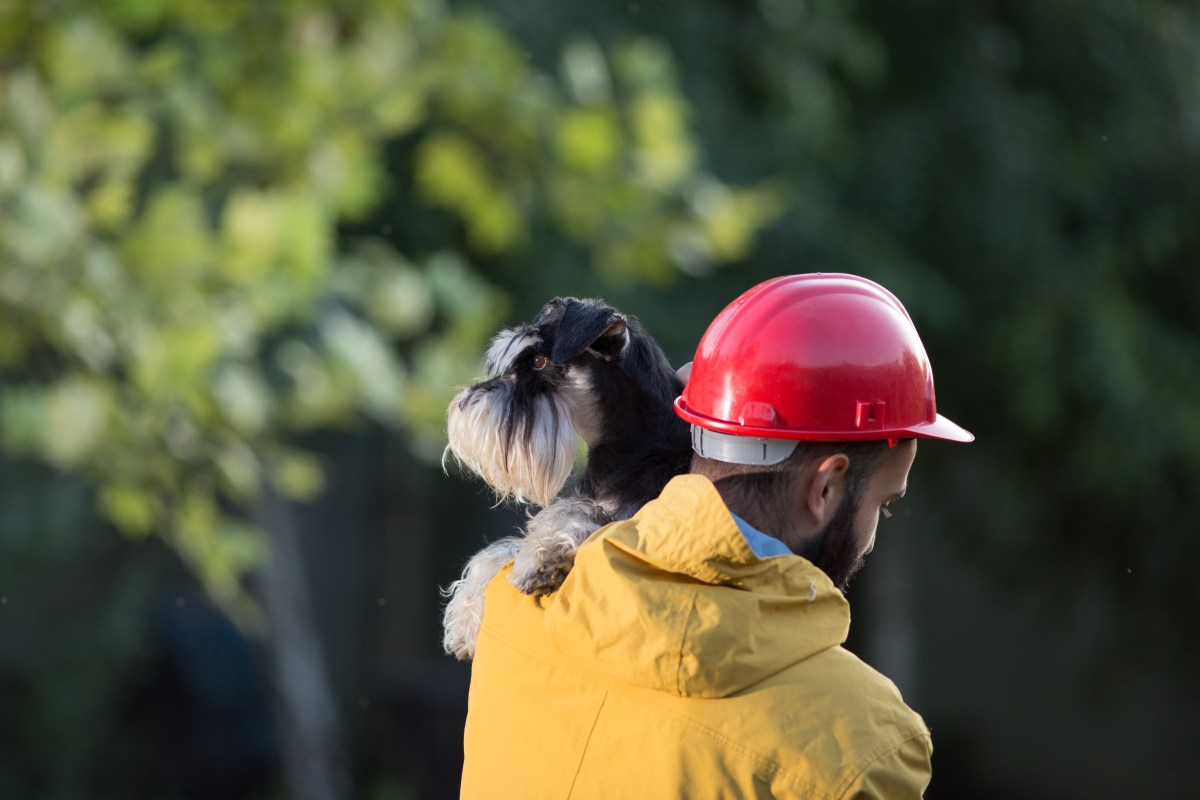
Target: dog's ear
x=588, y=325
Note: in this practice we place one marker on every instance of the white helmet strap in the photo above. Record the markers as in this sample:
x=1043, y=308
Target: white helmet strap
x=741, y=449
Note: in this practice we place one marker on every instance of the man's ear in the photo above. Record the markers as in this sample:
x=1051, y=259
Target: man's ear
x=827, y=489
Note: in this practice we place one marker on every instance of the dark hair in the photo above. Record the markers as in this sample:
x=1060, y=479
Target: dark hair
x=761, y=495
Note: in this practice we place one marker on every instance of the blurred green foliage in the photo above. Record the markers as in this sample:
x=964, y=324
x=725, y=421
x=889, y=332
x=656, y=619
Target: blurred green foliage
x=178, y=296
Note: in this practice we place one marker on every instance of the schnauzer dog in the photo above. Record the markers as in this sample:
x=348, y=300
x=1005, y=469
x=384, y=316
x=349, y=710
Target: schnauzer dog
x=580, y=369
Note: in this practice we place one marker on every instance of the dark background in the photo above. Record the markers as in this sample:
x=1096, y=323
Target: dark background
x=1023, y=175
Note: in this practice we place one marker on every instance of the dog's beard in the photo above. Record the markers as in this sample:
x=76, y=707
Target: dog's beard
x=524, y=455
x=581, y=369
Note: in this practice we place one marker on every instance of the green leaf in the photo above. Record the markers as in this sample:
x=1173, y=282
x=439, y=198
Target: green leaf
x=46, y=227
x=451, y=172
x=131, y=508
x=222, y=550
x=586, y=72
x=238, y=469
x=84, y=56
x=394, y=294
x=731, y=218
x=347, y=173
x=644, y=63
x=313, y=398
x=77, y=411
x=589, y=139
x=253, y=230
x=401, y=303
x=175, y=362
x=243, y=396
x=297, y=476
x=92, y=139
x=378, y=374
x=14, y=343
x=474, y=305
x=27, y=105
x=171, y=239
x=13, y=165
x=84, y=331
x=275, y=248
x=110, y=204
x=665, y=154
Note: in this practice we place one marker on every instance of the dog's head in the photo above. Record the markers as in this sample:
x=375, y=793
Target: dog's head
x=566, y=374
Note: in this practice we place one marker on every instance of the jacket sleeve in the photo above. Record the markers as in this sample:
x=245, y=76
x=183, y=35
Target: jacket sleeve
x=901, y=773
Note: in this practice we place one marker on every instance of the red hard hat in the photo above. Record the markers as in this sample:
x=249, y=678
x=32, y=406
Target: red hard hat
x=822, y=357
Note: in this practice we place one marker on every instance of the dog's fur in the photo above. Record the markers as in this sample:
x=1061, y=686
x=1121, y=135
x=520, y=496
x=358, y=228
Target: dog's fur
x=580, y=369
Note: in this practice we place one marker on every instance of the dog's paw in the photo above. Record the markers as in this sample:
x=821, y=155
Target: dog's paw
x=463, y=615
x=539, y=572
x=462, y=619
x=546, y=554
x=459, y=640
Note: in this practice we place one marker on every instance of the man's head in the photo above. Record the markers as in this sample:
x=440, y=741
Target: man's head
x=824, y=501
x=806, y=397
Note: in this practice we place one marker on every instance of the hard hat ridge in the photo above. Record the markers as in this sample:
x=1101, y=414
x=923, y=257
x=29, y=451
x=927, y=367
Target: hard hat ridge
x=818, y=357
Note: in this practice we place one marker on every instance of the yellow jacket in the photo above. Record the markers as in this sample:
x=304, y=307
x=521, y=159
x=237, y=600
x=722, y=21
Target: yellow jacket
x=674, y=662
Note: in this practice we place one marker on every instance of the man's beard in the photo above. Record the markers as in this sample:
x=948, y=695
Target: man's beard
x=834, y=549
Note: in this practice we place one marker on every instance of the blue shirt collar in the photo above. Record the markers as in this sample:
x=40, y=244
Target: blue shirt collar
x=763, y=545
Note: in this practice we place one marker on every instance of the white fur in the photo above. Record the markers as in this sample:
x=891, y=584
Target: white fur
x=533, y=471
x=536, y=466
x=582, y=399
x=547, y=551
x=542, y=558
x=464, y=611
x=505, y=347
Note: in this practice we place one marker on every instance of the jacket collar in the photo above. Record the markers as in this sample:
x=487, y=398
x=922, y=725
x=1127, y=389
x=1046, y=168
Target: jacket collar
x=675, y=599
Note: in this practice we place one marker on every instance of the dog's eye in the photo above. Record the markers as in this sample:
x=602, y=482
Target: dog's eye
x=539, y=362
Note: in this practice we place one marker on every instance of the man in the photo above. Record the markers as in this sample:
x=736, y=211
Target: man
x=695, y=649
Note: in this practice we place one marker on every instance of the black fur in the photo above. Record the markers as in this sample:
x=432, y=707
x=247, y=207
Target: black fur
x=636, y=441
x=642, y=443
x=596, y=373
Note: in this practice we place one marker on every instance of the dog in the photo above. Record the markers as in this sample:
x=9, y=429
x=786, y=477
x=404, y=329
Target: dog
x=580, y=370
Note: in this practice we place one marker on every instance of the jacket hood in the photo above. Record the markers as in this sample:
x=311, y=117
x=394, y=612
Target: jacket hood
x=674, y=599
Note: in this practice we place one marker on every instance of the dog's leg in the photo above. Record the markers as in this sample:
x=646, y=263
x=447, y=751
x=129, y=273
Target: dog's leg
x=464, y=611
x=547, y=552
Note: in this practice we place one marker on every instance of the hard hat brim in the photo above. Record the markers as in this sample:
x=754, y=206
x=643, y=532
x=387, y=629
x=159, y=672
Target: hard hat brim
x=941, y=428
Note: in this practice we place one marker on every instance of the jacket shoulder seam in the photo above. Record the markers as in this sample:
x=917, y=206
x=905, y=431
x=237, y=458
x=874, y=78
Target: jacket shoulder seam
x=876, y=757
x=733, y=746
x=586, y=743
x=683, y=644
